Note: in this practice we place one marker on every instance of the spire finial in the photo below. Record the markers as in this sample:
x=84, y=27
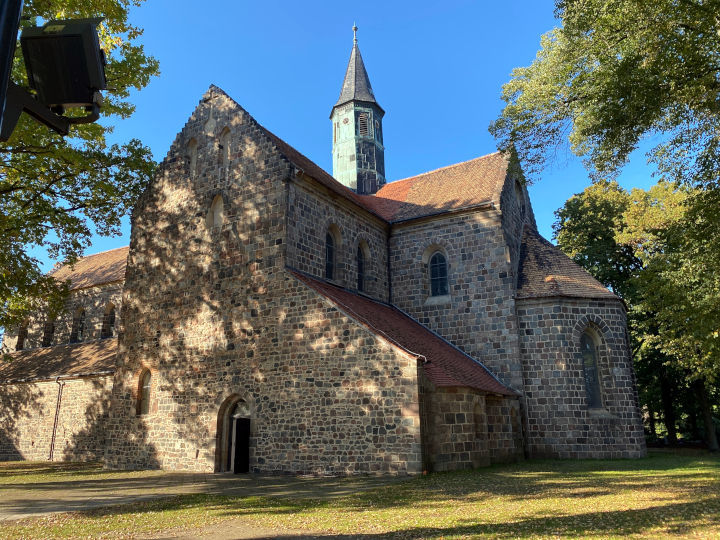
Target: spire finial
x=354, y=34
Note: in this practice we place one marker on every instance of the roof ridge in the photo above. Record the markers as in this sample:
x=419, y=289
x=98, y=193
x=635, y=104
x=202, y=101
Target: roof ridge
x=445, y=167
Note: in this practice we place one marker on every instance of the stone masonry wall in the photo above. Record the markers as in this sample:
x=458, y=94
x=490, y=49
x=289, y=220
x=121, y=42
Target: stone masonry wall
x=95, y=300
x=478, y=315
x=214, y=316
x=559, y=421
x=310, y=214
x=27, y=417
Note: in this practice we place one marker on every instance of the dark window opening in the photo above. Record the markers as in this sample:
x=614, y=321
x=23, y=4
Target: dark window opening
x=329, y=256
x=78, y=328
x=48, y=332
x=588, y=350
x=108, y=328
x=22, y=336
x=438, y=275
x=360, y=269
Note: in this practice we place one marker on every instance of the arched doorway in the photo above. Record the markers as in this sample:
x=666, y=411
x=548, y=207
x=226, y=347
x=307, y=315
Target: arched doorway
x=233, y=453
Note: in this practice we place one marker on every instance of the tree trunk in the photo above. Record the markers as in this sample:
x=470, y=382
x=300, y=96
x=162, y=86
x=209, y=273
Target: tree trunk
x=668, y=407
x=706, y=411
x=651, y=422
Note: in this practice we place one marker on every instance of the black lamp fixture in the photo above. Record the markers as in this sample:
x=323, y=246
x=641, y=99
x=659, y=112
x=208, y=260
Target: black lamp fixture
x=66, y=68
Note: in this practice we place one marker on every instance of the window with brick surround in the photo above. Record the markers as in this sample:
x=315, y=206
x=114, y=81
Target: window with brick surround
x=438, y=275
x=589, y=353
x=143, y=404
x=224, y=146
x=360, y=268
x=77, y=334
x=192, y=150
x=216, y=214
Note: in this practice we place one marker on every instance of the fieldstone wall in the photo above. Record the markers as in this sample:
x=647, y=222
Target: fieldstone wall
x=559, y=422
x=464, y=428
x=478, y=315
x=95, y=301
x=310, y=214
x=27, y=417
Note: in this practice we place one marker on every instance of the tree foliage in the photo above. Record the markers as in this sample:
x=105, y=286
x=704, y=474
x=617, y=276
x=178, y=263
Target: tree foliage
x=617, y=71
x=54, y=191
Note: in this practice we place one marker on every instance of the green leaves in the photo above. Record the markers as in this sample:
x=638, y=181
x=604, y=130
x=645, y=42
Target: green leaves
x=55, y=192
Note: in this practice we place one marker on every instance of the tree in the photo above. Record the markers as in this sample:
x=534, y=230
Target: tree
x=617, y=71
x=55, y=191
x=638, y=244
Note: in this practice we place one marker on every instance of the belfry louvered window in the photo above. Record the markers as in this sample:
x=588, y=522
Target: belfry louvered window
x=438, y=275
x=363, y=128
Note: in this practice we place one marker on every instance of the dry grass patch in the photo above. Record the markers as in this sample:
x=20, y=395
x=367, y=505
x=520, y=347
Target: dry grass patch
x=661, y=496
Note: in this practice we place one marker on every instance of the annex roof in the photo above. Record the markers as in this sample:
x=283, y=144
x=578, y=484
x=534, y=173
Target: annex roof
x=79, y=359
x=546, y=271
x=446, y=365
x=463, y=185
x=93, y=270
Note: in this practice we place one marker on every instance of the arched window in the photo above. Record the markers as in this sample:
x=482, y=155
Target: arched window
x=192, y=149
x=329, y=256
x=360, y=269
x=21, y=337
x=224, y=147
x=77, y=334
x=438, y=275
x=143, y=405
x=588, y=350
x=108, y=327
x=216, y=214
x=48, y=332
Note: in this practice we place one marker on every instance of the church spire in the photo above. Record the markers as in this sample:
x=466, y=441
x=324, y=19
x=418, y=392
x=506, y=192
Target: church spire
x=358, y=151
x=356, y=85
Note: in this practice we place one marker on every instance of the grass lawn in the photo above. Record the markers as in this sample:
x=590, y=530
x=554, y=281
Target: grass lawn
x=660, y=496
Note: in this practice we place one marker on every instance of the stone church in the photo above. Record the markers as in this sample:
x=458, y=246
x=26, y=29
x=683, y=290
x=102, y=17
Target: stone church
x=269, y=317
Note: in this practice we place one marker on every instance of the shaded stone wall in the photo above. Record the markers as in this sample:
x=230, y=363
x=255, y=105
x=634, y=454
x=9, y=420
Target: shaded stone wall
x=465, y=428
x=95, y=301
x=27, y=417
x=560, y=424
x=478, y=315
x=309, y=216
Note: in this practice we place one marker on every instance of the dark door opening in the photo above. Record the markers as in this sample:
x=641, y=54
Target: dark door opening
x=239, y=445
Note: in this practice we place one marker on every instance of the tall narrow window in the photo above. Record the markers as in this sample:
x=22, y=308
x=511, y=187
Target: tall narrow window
x=225, y=147
x=192, y=148
x=48, y=333
x=360, y=269
x=329, y=256
x=143, y=406
x=588, y=350
x=438, y=275
x=21, y=337
x=108, y=327
x=363, y=124
x=77, y=334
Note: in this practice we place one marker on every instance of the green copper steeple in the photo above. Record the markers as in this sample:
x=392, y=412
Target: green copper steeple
x=358, y=151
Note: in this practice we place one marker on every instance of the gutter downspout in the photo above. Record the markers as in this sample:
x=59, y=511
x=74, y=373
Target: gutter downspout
x=61, y=385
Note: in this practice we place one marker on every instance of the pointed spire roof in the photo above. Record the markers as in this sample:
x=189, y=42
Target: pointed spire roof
x=356, y=86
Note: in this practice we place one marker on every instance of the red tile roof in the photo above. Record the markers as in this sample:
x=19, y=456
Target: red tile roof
x=463, y=185
x=92, y=357
x=446, y=365
x=105, y=267
x=546, y=271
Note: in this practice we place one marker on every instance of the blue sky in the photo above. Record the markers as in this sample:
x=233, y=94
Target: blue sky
x=436, y=68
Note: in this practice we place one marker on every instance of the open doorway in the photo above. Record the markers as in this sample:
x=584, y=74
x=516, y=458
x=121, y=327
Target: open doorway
x=233, y=449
